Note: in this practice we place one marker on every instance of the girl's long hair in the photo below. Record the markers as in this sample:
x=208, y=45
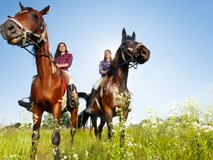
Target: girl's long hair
x=110, y=55
x=58, y=53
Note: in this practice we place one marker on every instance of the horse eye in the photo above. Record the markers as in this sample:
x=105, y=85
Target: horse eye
x=35, y=16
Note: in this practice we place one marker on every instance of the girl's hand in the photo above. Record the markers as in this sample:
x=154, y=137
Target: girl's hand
x=58, y=65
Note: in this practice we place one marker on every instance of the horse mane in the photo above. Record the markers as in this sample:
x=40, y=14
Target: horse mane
x=29, y=8
x=114, y=64
x=128, y=37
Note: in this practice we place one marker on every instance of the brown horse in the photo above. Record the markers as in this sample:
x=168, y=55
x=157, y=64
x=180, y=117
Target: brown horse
x=26, y=28
x=114, y=97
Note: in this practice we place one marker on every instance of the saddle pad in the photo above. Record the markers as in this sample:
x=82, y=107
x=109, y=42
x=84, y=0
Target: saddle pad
x=64, y=101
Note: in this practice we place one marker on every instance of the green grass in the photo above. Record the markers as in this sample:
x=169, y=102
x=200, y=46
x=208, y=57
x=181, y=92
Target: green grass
x=185, y=135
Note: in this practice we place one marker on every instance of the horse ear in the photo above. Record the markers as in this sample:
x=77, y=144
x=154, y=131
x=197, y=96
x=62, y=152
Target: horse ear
x=22, y=7
x=123, y=33
x=45, y=11
x=133, y=35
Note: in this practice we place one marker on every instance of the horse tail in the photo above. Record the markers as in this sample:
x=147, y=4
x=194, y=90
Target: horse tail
x=83, y=95
x=83, y=116
x=82, y=119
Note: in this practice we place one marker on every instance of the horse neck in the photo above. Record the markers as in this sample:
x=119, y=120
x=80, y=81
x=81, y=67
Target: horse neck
x=43, y=59
x=121, y=69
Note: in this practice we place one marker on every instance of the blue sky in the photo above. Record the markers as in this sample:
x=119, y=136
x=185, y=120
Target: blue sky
x=178, y=33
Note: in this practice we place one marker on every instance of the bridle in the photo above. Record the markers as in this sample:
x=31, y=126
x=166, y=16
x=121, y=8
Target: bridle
x=27, y=41
x=132, y=60
x=27, y=34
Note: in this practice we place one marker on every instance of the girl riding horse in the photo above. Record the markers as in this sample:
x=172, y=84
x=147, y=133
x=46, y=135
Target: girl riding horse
x=113, y=97
x=26, y=28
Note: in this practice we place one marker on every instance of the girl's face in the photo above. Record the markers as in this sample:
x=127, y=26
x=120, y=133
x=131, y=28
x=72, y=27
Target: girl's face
x=107, y=54
x=62, y=47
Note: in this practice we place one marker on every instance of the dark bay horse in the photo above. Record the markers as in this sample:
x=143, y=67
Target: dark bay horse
x=113, y=98
x=27, y=28
x=83, y=118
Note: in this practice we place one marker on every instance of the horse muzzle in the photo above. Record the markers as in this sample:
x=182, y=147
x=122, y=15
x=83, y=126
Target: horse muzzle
x=141, y=53
x=12, y=33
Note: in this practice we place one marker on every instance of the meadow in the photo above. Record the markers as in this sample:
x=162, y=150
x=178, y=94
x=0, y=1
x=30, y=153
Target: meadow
x=185, y=134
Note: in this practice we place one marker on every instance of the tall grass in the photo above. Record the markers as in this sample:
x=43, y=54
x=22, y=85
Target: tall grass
x=184, y=135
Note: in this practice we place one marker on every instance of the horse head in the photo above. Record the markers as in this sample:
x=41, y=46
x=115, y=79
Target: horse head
x=27, y=27
x=133, y=51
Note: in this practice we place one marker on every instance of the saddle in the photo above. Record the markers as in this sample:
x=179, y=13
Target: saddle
x=101, y=89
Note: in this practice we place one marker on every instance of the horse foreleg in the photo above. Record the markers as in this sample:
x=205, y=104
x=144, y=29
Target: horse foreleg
x=100, y=127
x=94, y=124
x=36, y=134
x=110, y=127
x=91, y=127
x=56, y=138
x=56, y=132
x=122, y=125
x=74, y=117
x=109, y=116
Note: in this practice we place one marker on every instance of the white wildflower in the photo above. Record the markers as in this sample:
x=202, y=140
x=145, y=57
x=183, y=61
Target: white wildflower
x=75, y=156
x=160, y=122
x=86, y=153
x=196, y=124
x=144, y=124
x=154, y=126
x=130, y=144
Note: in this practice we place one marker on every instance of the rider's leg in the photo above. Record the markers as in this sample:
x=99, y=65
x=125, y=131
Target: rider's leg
x=27, y=105
x=71, y=93
x=92, y=96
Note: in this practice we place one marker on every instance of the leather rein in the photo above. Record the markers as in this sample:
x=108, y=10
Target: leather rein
x=125, y=51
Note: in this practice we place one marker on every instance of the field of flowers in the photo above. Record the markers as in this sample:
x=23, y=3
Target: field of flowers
x=186, y=134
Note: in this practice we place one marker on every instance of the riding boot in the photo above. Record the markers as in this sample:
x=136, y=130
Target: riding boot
x=90, y=102
x=27, y=105
x=71, y=102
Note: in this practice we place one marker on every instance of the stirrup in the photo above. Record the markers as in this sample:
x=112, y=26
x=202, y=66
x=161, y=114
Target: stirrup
x=71, y=103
